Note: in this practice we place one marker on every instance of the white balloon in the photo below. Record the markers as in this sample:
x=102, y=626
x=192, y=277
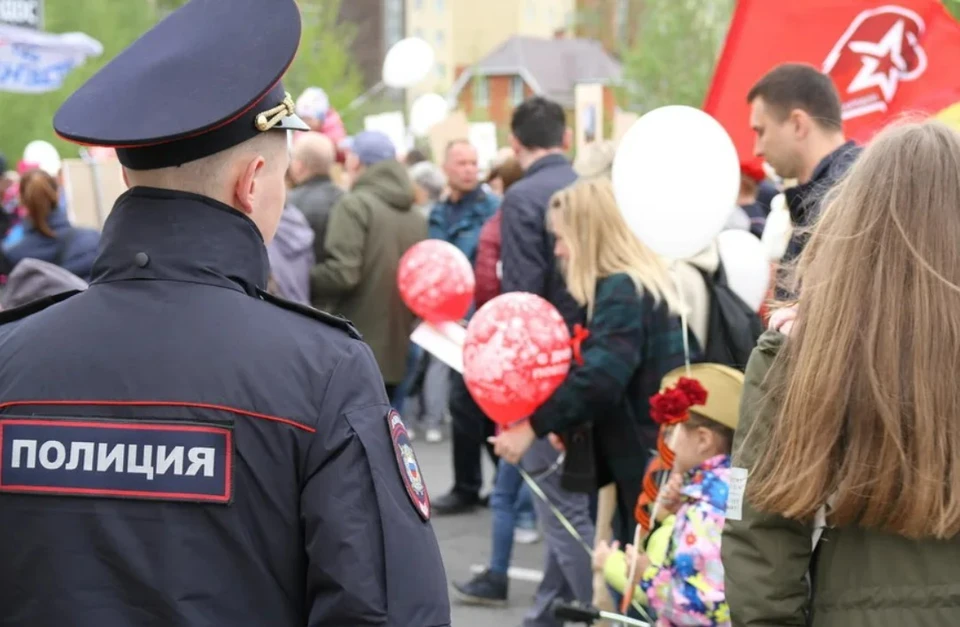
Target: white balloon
x=427, y=111
x=44, y=155
x=676, y=176
x=747, y=266
x=408, y=62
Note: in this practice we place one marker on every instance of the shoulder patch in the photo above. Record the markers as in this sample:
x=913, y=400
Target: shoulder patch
x=23, y=311
x=329, y=319
x=408, y=464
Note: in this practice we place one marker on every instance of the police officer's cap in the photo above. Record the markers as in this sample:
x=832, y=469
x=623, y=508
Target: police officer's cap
x=203, y=80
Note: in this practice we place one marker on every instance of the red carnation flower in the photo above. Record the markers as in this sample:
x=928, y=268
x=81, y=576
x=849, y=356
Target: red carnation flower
x=669, y=407
x=695, y=392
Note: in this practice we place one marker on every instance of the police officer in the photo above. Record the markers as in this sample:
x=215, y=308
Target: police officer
x=177, y=447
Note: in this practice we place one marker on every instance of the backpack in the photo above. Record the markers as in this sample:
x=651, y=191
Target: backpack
x=733, y=328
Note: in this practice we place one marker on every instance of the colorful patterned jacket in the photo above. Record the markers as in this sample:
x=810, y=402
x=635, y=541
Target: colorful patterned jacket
x=688, y=589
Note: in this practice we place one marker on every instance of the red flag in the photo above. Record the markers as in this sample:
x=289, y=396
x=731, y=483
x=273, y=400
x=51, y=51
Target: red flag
x=885, y=57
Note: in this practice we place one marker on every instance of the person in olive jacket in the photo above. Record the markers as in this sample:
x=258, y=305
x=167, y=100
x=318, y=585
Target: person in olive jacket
x=370, y=228
x=848, y=451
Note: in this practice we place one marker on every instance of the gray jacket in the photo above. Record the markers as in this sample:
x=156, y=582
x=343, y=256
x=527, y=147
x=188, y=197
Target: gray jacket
x=291, y=256
x=315, y=198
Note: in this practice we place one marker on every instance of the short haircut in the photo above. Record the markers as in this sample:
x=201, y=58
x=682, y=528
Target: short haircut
x=539, y=123
x=798, y=86
x=414, y=157
x=453, y=143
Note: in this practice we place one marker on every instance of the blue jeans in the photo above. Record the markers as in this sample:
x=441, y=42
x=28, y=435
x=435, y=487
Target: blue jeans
x=403, y=389
x=511, y=504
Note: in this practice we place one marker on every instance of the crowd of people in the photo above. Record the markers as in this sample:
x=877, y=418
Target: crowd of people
x=813, y=484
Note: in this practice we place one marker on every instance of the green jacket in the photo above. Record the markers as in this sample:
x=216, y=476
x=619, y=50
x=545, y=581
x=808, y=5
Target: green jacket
x=369, y=229
x=861, y=578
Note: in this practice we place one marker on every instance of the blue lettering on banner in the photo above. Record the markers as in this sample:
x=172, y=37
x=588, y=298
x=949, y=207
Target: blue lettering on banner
x=165, y=461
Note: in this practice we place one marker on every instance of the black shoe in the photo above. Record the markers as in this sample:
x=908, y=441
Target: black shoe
x=487, y=588
x=453, y=503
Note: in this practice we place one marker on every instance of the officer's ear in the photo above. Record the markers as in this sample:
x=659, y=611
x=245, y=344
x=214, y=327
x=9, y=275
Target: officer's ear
x=248, y=184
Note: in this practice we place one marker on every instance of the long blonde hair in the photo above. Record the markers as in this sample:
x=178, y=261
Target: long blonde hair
x=869, y=410
x=587, y=219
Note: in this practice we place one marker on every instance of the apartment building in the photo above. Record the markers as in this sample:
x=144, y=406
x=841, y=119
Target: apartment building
x=462, y=32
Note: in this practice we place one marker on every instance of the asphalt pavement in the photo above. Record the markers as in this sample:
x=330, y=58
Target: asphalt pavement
x=465, y=544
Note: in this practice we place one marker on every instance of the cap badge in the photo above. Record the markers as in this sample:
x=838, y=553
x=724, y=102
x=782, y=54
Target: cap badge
x=271, y=117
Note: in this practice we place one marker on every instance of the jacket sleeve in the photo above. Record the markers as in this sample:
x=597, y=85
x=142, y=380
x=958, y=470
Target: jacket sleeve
x=346, y=237
x=611, y=355
x=526, y=264
x=485, y=267
x=363, y=536
x=765, y=557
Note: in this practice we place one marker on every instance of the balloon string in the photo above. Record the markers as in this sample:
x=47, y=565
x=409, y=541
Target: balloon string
x=684, y=322
x=532, y=484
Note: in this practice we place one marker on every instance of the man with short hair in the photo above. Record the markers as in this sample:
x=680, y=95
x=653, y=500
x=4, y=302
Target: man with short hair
x=314, y=193
x=370, y=229
x=796, y=115
x=198, y=451
x=457, y=219
x=540, y=139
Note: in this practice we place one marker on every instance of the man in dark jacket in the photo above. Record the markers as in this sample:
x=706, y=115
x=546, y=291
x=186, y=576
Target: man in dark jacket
x=540, y=138
x=314, y=193
x=181, y=447
x=457, y=219
x=797, y=117
x=370, y=228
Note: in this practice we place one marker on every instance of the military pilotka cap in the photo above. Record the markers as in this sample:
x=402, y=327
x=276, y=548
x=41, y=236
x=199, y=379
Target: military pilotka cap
x=724, y=386
x=203, y=80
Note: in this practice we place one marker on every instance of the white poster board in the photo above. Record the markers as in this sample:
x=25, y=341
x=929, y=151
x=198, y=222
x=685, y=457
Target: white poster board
x=391, y=124
x=589, y=109
x=91, y=190
x=483, y=137
x=444, y=341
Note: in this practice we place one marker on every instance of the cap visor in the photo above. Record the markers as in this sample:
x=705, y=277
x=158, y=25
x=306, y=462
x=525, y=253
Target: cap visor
x=292, y=123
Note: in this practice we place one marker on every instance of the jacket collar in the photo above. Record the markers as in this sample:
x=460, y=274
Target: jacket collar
x=473, y=197
x=826, y=164
x=157, y=234
x=543, y=163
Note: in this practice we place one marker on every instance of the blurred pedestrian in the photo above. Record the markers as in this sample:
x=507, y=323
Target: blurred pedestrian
x=797, y=117
x=370, y=228
x=429, y=185
x=848, y=506
x=314, y=192
x=457, y=219
x=48, y=234
x=540, y=139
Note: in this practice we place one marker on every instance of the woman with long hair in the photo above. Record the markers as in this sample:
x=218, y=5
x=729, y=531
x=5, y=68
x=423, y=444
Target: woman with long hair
x=633, y=338
x=48, y=234
x=849, y=434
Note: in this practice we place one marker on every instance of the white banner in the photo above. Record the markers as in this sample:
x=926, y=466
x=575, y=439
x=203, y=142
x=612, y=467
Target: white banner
x=33, y=62
x=26, y=13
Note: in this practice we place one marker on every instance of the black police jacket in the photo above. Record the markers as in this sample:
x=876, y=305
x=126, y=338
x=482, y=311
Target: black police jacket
x=179, y=448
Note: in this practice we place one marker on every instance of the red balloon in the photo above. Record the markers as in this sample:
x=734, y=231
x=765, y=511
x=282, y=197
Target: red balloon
x=517, y=353
x=436, y=281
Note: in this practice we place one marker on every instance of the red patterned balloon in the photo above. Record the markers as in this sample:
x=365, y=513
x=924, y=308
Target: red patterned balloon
x=436, y=281
x=516, y=354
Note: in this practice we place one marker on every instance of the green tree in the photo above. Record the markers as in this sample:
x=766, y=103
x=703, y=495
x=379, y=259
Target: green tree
x=954, y=7
x=325, y=59
x=676, y=49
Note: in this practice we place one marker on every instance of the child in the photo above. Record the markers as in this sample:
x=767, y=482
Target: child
x=687, y=587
